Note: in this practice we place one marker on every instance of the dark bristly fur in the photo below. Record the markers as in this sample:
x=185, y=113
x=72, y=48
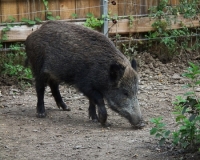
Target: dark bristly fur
x=65, y=52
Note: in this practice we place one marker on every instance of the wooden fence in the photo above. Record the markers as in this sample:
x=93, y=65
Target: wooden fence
x=30, y=9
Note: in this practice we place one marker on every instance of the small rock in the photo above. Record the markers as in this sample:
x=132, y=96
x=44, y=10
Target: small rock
x=132, y=141
x=158, y=149
x=78, y=147
x=197, y=90
x=1, y=106
x=176, y=76
x=151, y=66
x=35, y=130
x=135, y=155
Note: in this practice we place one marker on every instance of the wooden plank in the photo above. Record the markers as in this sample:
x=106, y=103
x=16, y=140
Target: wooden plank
x=148, y=5
x=144, y=7
x=19, y=33
x=137, y=6
x=54, y=7
x=82, y=8
x=0, y=12
x=32, y=9
x=145, y=25
x=95, y=8
x=113, y=9
x=67, y=8
x=9, y=8
x=121, y=7
x=40, y=9
x=154, y=3
x=129, y=7
x=173, y=2
x=23, y=8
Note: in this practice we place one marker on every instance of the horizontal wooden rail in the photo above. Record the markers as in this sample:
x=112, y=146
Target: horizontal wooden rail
x=143, y=24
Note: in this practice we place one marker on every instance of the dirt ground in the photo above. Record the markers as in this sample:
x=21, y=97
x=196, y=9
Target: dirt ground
x=71, y=135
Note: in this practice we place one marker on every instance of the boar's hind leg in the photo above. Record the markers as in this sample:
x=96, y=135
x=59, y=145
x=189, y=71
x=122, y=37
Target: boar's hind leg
x=56, y=94
x=97, y=98
x=92, y=111
x=40, y=87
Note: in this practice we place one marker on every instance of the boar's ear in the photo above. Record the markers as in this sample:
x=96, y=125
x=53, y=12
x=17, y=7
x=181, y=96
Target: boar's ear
x=134, y=64
x=116, y=72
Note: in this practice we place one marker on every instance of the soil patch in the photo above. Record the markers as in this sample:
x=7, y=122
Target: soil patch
x=71, y=135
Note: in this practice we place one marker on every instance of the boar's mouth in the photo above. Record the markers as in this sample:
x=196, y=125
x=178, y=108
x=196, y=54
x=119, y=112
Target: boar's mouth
x=136, y=121
x=140, y=125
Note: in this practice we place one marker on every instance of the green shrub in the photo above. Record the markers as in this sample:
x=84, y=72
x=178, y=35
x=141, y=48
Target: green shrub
x=187, y=112
x=12, y=63
x=93, y=22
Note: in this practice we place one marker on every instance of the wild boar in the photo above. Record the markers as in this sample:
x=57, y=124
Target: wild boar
x=64, y=52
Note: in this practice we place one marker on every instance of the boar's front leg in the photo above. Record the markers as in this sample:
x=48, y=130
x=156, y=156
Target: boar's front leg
x=56, y=94
x=40, y=87
x=96, y=98
x=92, y=111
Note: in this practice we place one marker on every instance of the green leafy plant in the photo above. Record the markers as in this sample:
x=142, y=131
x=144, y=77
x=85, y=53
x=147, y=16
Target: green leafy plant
x=129, y=49
x=49, y=15
x=32, y=22
x=189, y=9
x=13, y=63
x=187, y=112
x=8, y=26
x=174, y=41
x=159, y=130
x=74, y=15
x=93, y=22
x=4, y=31
x=131, y=19
x=46, y=4
x=28, y=21
x=37, y=20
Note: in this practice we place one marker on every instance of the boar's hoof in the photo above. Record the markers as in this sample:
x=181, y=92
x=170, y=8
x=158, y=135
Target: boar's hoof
x=140, y=125
x=102, y=120
x=66, y=109
x=93, y=117
x=41, y=115
x=106, y=125
x=95, y=120
x=64, y=106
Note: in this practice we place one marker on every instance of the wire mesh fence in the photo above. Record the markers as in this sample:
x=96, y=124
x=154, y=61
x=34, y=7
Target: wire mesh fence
x=30, y=9
x=71, y=9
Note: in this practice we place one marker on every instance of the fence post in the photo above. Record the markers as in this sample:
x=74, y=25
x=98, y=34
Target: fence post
x=104, y=11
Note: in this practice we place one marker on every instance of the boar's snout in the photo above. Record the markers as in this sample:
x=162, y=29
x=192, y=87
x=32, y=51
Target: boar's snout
x=137, y=121
x=139, y=125
x=135, y=117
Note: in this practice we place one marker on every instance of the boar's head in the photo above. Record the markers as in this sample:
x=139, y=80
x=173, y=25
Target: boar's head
x=122, y=95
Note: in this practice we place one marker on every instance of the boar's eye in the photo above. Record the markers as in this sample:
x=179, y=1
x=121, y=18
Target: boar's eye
x=126, y=94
